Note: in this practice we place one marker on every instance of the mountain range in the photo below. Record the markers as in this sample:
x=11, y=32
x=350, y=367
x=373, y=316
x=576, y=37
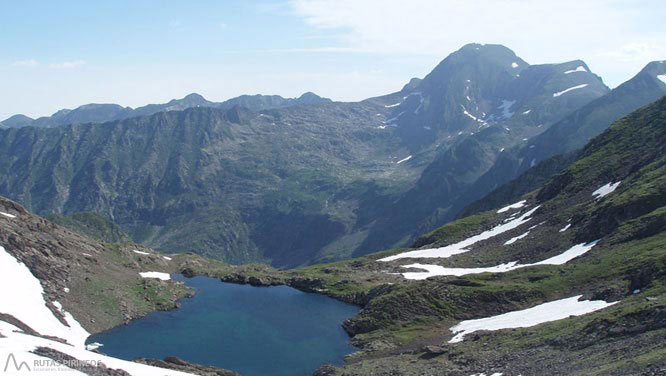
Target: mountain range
x=298, y=181
x=100, y=113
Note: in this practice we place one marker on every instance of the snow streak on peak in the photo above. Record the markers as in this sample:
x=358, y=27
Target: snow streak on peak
x=579, y=69
x=662, y=77
x=405, y=159
x=506, y=107
x=569, y=89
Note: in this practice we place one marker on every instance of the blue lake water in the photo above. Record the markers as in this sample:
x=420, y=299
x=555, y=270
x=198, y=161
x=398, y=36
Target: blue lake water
x=256, y=331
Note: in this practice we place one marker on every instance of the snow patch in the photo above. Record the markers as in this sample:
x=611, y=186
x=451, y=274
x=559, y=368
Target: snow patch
x=471, y=116
x=662, y=77
x=579, y=69
x=506, y=107
x=391, y=120
x=458, y=248
x=565, y=227
x=542, y=313
x=404, y=159
x=158, y=275
x=167, y=258
x=513, y=240
x=140, y=252
x=438, y=270
x=93, y=346
x=25, y=301
x=517, y=205
x=569, y=89
x=606, y=190
x=526, y=112
x=66, y=289
x=8, y=215
x=514, y=65
x=393, y=105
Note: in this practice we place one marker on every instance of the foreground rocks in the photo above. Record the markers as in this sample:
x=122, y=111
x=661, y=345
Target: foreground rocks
x=178, y=364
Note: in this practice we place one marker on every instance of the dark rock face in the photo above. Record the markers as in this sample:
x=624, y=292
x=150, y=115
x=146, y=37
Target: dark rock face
x=178, y=364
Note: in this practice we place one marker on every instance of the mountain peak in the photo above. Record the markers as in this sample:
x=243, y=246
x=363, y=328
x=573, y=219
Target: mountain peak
x=16, y=121
x=656, y=69
x=311, y=98
x=194, y=97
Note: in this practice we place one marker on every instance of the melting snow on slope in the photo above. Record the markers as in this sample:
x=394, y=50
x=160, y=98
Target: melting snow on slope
x=25, y=301
x=404, y=159
x=513, y=240
x=459, y=247
x=438, y=270
x=391, y=120
x=158, y=275
x=517, y=205
x=579, y=69
x=471, y=116
x=506, y=107
x=393, y=105
x=662, y=77
x=606, y=189
x=565, y=227
x=22, y=297
x=8, y=215
x=140, y=252
x=569, y=89
x=546, y=312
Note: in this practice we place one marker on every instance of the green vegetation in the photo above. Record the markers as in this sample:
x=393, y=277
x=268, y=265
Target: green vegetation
x=92, y=225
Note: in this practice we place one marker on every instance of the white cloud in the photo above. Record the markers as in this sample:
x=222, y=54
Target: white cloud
x=539, y=31
x=26, y=63
x=68, y=64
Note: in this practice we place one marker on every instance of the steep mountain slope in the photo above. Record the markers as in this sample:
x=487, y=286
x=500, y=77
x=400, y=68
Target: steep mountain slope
x=234, y=184
x=522, y=101
x=91, y=225
x=100, y=113
x=590, y=243
x=574, y=131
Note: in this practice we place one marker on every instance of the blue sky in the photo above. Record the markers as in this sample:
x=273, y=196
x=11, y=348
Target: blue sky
x=61, y=54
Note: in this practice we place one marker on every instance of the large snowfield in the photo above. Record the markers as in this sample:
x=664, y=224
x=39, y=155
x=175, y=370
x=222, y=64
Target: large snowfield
x=22, y=296
x=542, y=313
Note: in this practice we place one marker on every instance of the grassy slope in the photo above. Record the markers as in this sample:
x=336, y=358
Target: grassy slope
x=92, y=225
